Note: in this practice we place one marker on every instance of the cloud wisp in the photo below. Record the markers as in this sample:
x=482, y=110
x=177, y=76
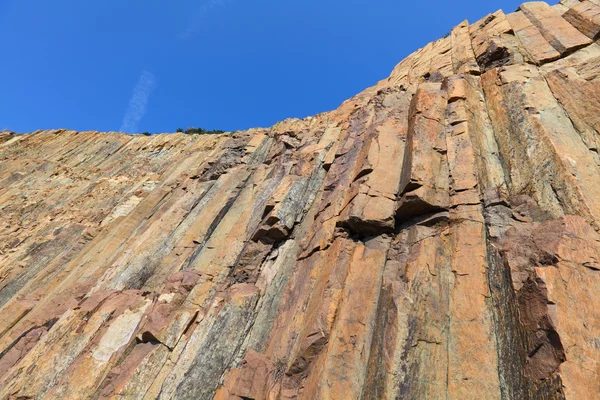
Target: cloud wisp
x=196, y=19
x=139, y=102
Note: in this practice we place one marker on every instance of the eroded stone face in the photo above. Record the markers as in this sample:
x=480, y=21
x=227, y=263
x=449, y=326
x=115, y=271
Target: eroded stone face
x=437, y=236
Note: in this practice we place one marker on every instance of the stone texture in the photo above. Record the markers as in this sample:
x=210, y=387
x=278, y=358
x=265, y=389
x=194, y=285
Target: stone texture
x=532, y=39
x=436, y=236
x=585, y=16
x=561, y=35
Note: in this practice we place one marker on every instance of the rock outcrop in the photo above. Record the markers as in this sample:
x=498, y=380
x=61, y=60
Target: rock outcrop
x=437, y=236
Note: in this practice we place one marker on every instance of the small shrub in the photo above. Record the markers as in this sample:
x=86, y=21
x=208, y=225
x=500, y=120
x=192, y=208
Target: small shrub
x=200, y=131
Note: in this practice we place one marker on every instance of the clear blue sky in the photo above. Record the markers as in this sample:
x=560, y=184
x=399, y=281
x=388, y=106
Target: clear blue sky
x=155, y=65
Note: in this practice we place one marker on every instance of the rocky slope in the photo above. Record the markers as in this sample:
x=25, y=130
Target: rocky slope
x=435, y=237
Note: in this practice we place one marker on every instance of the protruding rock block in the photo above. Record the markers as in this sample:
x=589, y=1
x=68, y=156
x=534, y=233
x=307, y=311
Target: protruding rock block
x=532, y=39
x=561, y=35
x=372, y=211
x=585, y=16
x=424, y=180
x=494, y=42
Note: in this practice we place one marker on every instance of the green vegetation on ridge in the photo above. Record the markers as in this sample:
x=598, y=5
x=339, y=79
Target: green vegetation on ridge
x=199, y=131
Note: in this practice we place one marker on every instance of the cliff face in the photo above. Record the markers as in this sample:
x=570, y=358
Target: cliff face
x=434, y=237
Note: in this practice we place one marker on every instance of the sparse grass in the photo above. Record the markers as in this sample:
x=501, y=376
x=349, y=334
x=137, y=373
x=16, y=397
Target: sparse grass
x=278, y=369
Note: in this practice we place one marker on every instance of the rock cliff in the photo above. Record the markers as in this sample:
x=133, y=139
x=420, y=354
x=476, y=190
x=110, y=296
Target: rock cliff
x=437, y=236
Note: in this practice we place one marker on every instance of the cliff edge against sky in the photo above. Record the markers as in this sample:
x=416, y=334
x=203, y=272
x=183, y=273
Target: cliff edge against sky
x=437, y=236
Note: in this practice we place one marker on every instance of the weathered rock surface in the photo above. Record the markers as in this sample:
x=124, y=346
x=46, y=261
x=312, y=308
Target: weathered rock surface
x=437, y=236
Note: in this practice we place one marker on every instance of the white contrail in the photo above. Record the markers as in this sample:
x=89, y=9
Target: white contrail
x=196, y=21
x=138, y=103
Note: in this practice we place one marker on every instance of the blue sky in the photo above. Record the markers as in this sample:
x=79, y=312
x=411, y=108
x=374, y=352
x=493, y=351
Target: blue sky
x=153, y=65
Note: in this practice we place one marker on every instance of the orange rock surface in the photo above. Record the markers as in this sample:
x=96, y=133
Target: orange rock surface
x=435, y=237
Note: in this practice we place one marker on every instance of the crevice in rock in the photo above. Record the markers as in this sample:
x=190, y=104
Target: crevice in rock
x=377, y=366
x=494, y=56
x=413, y=207
x=430, y=219
x=364, y=172
x=248, y=265
x=301, y=365
x=47, y=326
x=360, y=228
x=313, y=252
x=148, y=337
